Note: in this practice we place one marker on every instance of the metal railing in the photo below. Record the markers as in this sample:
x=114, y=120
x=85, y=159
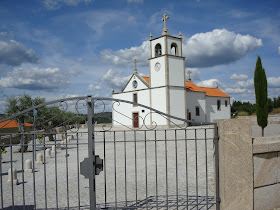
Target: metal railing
x=142, y=168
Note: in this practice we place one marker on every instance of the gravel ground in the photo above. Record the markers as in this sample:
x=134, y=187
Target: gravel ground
x=129, y=157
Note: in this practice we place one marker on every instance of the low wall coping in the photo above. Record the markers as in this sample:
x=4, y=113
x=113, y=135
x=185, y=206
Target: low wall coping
x=266, y=144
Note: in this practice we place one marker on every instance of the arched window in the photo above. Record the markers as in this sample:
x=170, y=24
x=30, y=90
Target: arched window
x=174, y=49
x=158, y=50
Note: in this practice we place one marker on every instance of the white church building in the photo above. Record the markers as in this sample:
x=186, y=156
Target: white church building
x=166, y=90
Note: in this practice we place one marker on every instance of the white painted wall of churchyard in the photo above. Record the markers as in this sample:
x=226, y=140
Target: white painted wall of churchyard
x=211, y=108
x=196, y=99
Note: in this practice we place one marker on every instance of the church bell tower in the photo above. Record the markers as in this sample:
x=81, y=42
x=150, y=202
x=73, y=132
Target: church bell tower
x=167, y=76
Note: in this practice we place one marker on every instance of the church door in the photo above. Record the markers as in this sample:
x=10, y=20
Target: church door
x=135, y=120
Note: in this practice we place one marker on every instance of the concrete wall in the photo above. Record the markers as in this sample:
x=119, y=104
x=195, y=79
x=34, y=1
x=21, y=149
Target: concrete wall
x=266, y=160
x=248, y=167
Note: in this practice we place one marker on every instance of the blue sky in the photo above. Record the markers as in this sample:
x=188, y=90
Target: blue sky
x=64, y=48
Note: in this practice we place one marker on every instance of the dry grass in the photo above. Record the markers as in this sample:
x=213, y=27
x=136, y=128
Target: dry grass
x=275, y=111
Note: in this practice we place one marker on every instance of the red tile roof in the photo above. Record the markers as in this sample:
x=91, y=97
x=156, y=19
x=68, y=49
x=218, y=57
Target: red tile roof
x=146, y=78
x=208, y=91
x=12, y=124
x=193, y=87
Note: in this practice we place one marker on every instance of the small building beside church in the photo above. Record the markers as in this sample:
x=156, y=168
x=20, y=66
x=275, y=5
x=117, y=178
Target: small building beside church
x=166, y=90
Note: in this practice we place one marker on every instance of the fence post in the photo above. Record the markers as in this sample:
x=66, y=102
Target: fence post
x=91, y=152
x=235, y=164
x=216, y=143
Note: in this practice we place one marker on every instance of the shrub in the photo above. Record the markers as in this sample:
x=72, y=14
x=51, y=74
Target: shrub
x=242, y=113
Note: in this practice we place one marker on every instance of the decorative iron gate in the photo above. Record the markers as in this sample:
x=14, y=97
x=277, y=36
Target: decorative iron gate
x=122, y=167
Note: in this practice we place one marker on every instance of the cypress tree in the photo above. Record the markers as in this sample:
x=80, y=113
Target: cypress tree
x=260, y=84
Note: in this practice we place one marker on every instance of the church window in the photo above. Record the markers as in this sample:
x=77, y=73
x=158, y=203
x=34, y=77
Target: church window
x=226, y=103
x=158, y=50
x=174, y=49
x=135, y=99
x=219, y=105
x=197, y=111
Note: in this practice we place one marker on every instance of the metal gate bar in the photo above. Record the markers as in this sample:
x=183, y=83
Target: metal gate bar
x=139, y=142
x=160, y=168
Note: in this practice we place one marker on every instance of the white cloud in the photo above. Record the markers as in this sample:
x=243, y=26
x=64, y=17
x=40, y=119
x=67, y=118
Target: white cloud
x=126, y=56
x=91, y=87
x=131, y=18
x=135, y=1
x=195, y=74
x=201, y=50
x=245, y=84
x=239, y=77
x=216, y=47
x=273, y=82
x=114, y=80
x=213, y=83
x=237, y=90
x=239, y=14
x=14, y=53
x=35, y=79
x=56, y=4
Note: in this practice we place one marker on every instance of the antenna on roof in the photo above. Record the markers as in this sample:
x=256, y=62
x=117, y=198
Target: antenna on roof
x=217, y=85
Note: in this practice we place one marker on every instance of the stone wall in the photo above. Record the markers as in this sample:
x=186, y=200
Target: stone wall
x=266, y=160
x=249, y=167
x=272, y=119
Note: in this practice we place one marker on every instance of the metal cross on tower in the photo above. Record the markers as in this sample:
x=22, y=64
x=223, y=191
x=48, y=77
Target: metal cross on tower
x=135, y=61
x=189, y=72
x=165, y=29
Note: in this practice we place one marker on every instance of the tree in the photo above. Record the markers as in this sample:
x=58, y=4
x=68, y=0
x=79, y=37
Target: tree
x=15, y=105
x=260, y=84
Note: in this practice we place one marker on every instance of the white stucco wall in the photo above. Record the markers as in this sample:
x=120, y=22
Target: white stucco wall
x=176, y=71
x=177, y=104
x=130, y=87
x=158, y=97
x=155, y=42
x=171, y=40
x=157, y=78
x=127, y=109
x=211, y=108
x=196, y=99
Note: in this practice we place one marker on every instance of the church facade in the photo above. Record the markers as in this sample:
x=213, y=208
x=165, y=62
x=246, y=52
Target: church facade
x=166, y=90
